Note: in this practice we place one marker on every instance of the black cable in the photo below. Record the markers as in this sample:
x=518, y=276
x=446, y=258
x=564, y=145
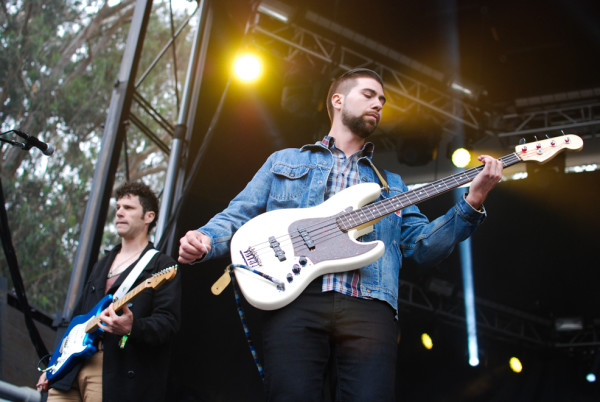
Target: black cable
x=13, y=265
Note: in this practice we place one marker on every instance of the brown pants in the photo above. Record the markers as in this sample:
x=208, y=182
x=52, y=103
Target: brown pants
x=87, y=387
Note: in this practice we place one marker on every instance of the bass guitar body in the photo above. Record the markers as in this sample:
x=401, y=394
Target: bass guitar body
x=292, y=247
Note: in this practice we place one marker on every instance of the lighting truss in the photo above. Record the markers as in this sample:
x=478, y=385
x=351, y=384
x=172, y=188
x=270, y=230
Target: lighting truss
x=496, y=320
x=407, y=94
x=584, y=117
x=404, y=93
x=586, y=337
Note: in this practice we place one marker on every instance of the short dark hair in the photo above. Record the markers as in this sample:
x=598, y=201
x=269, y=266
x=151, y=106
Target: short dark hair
x=349, y=77
x=147, y=198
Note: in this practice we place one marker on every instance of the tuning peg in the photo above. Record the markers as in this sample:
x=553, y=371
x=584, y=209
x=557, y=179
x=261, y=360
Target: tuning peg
x=522, y=141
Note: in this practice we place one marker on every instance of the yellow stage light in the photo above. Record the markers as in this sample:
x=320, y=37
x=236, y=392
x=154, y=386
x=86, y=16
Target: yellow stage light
x=247, y=67
x=515, y=365
x=426, y=341
x=461, y=157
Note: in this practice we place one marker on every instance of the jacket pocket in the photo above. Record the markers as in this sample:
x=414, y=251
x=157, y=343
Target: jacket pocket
x=291, y=181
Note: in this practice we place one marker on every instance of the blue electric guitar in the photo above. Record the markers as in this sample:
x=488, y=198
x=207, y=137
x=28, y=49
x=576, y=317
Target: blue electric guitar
x=78, y=342
x=277, y=254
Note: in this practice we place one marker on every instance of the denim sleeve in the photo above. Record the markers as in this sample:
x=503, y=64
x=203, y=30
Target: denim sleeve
x=428, y=243
x=250, y=202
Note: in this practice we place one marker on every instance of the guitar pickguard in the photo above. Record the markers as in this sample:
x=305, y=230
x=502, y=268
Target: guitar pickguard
x=334, y=245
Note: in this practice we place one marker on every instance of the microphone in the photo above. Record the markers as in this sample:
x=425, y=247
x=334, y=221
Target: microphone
x=31, y=141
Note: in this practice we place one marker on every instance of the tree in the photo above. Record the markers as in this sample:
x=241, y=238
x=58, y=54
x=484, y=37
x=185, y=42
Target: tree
x=56, y=76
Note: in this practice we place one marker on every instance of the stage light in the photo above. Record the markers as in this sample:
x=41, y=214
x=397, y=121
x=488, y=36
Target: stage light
x=474, y=361
x=426, y=341
x=515, y=364
x=275, y=9
x=458, y=87
x=461, y=157
x=469, y=90
x=591, y=374
x=469, y=294
x=247, y=67
x=568, y=324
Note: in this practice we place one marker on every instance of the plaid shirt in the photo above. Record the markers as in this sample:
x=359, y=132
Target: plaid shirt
x=344, y=173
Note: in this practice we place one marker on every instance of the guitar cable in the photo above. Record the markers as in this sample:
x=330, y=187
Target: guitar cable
x=44, y=362
x=280, y=285
x=222, y=283
x=240, y=310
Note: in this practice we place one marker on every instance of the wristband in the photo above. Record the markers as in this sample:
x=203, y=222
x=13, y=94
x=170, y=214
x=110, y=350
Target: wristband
x=124, y=340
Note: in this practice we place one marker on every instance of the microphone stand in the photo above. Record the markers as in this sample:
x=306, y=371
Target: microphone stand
x=13, y=143
x=13, y=265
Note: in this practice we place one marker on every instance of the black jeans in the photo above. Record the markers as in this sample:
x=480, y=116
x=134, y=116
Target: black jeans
x=301, y=339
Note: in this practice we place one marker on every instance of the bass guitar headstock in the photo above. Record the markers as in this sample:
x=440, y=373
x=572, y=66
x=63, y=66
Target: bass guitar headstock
x=542, y=151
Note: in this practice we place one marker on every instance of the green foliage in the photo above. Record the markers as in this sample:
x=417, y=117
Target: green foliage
x=59, y=61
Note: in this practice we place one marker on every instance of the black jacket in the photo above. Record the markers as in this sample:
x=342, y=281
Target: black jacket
x=139, y=371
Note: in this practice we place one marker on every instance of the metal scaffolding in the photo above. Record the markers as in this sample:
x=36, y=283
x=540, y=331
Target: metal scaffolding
x=497, y=320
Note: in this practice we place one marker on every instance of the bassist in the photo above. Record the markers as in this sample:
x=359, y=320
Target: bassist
x=348, y=318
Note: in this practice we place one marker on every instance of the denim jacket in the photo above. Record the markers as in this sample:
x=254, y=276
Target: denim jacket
x=296, y=178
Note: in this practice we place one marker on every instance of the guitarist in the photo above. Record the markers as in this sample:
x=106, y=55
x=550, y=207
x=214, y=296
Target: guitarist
x=134, y=351
x=348, y=318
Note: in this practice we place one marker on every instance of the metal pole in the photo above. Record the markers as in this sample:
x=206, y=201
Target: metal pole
x=106, y=166
x=9, y=392
x=179, y=134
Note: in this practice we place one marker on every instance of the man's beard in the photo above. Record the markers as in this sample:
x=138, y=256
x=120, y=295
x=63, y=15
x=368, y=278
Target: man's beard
x=358, y=124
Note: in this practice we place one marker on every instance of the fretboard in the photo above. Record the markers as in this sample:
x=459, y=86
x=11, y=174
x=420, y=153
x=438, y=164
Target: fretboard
x=379, y=209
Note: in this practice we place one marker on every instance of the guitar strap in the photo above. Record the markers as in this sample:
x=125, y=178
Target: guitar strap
x=382, y=178
x=135, y=272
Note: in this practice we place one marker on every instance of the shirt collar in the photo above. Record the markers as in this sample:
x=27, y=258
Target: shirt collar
x=366, y=151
